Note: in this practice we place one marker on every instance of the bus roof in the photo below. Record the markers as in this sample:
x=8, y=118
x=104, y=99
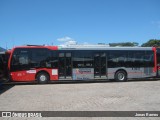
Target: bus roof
x=105, y=48
x=86, y=48
x=38, y=46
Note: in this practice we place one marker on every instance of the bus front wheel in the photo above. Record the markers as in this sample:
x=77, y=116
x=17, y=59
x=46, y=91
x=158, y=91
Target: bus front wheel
x=121, y=76
x=42, y=78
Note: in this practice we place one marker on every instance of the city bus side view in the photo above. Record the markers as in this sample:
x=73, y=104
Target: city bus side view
x=52, y=63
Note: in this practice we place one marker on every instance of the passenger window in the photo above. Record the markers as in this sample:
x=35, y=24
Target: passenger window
x=23, y=58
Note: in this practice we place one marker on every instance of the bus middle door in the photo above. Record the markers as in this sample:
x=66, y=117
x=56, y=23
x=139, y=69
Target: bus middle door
x=100, y=65
x=64, y=65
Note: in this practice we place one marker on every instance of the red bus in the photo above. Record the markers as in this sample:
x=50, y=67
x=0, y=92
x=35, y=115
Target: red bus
x=53, y=63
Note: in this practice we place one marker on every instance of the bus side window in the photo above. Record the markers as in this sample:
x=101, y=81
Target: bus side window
x=54, y=59
x=20, y=60
x=40, y=58
x=117, y=59
x=23, y=58
x=149, y=59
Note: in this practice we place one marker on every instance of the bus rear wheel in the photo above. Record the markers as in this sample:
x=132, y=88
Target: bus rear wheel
x=42, y=78
x=121, y=76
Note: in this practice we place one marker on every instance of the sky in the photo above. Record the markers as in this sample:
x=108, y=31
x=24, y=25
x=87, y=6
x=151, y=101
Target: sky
x=52, y=22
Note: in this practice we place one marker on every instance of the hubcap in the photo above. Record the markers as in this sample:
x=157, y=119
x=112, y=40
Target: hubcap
x=121, y=76
x=43, y=78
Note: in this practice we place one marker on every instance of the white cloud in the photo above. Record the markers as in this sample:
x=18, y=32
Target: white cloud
x=65, y=39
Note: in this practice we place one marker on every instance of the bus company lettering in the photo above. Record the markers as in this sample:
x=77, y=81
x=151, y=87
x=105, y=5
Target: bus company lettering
x=31, y=71
x=83, y=73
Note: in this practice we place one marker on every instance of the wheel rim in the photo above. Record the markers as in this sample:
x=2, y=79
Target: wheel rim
x=43, y=78
x=121, y=76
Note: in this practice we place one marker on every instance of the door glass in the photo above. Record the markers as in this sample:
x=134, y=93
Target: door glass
x=103, y=64
x=61, y=64
x=61, y=54
x=68, y=54
x=68, y=64
x=65, y=65
x=97, y=64
x=100, y=64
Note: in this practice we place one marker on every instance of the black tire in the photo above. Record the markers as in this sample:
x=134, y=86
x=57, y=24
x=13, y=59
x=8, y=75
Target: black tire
x=121, y=76
x=42, y=78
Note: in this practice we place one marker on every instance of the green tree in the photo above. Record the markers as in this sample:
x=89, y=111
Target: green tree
x=151, y=43
x=130, y=44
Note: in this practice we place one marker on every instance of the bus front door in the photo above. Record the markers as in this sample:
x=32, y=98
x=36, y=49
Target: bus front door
x=100, y=65
x=64, y=66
